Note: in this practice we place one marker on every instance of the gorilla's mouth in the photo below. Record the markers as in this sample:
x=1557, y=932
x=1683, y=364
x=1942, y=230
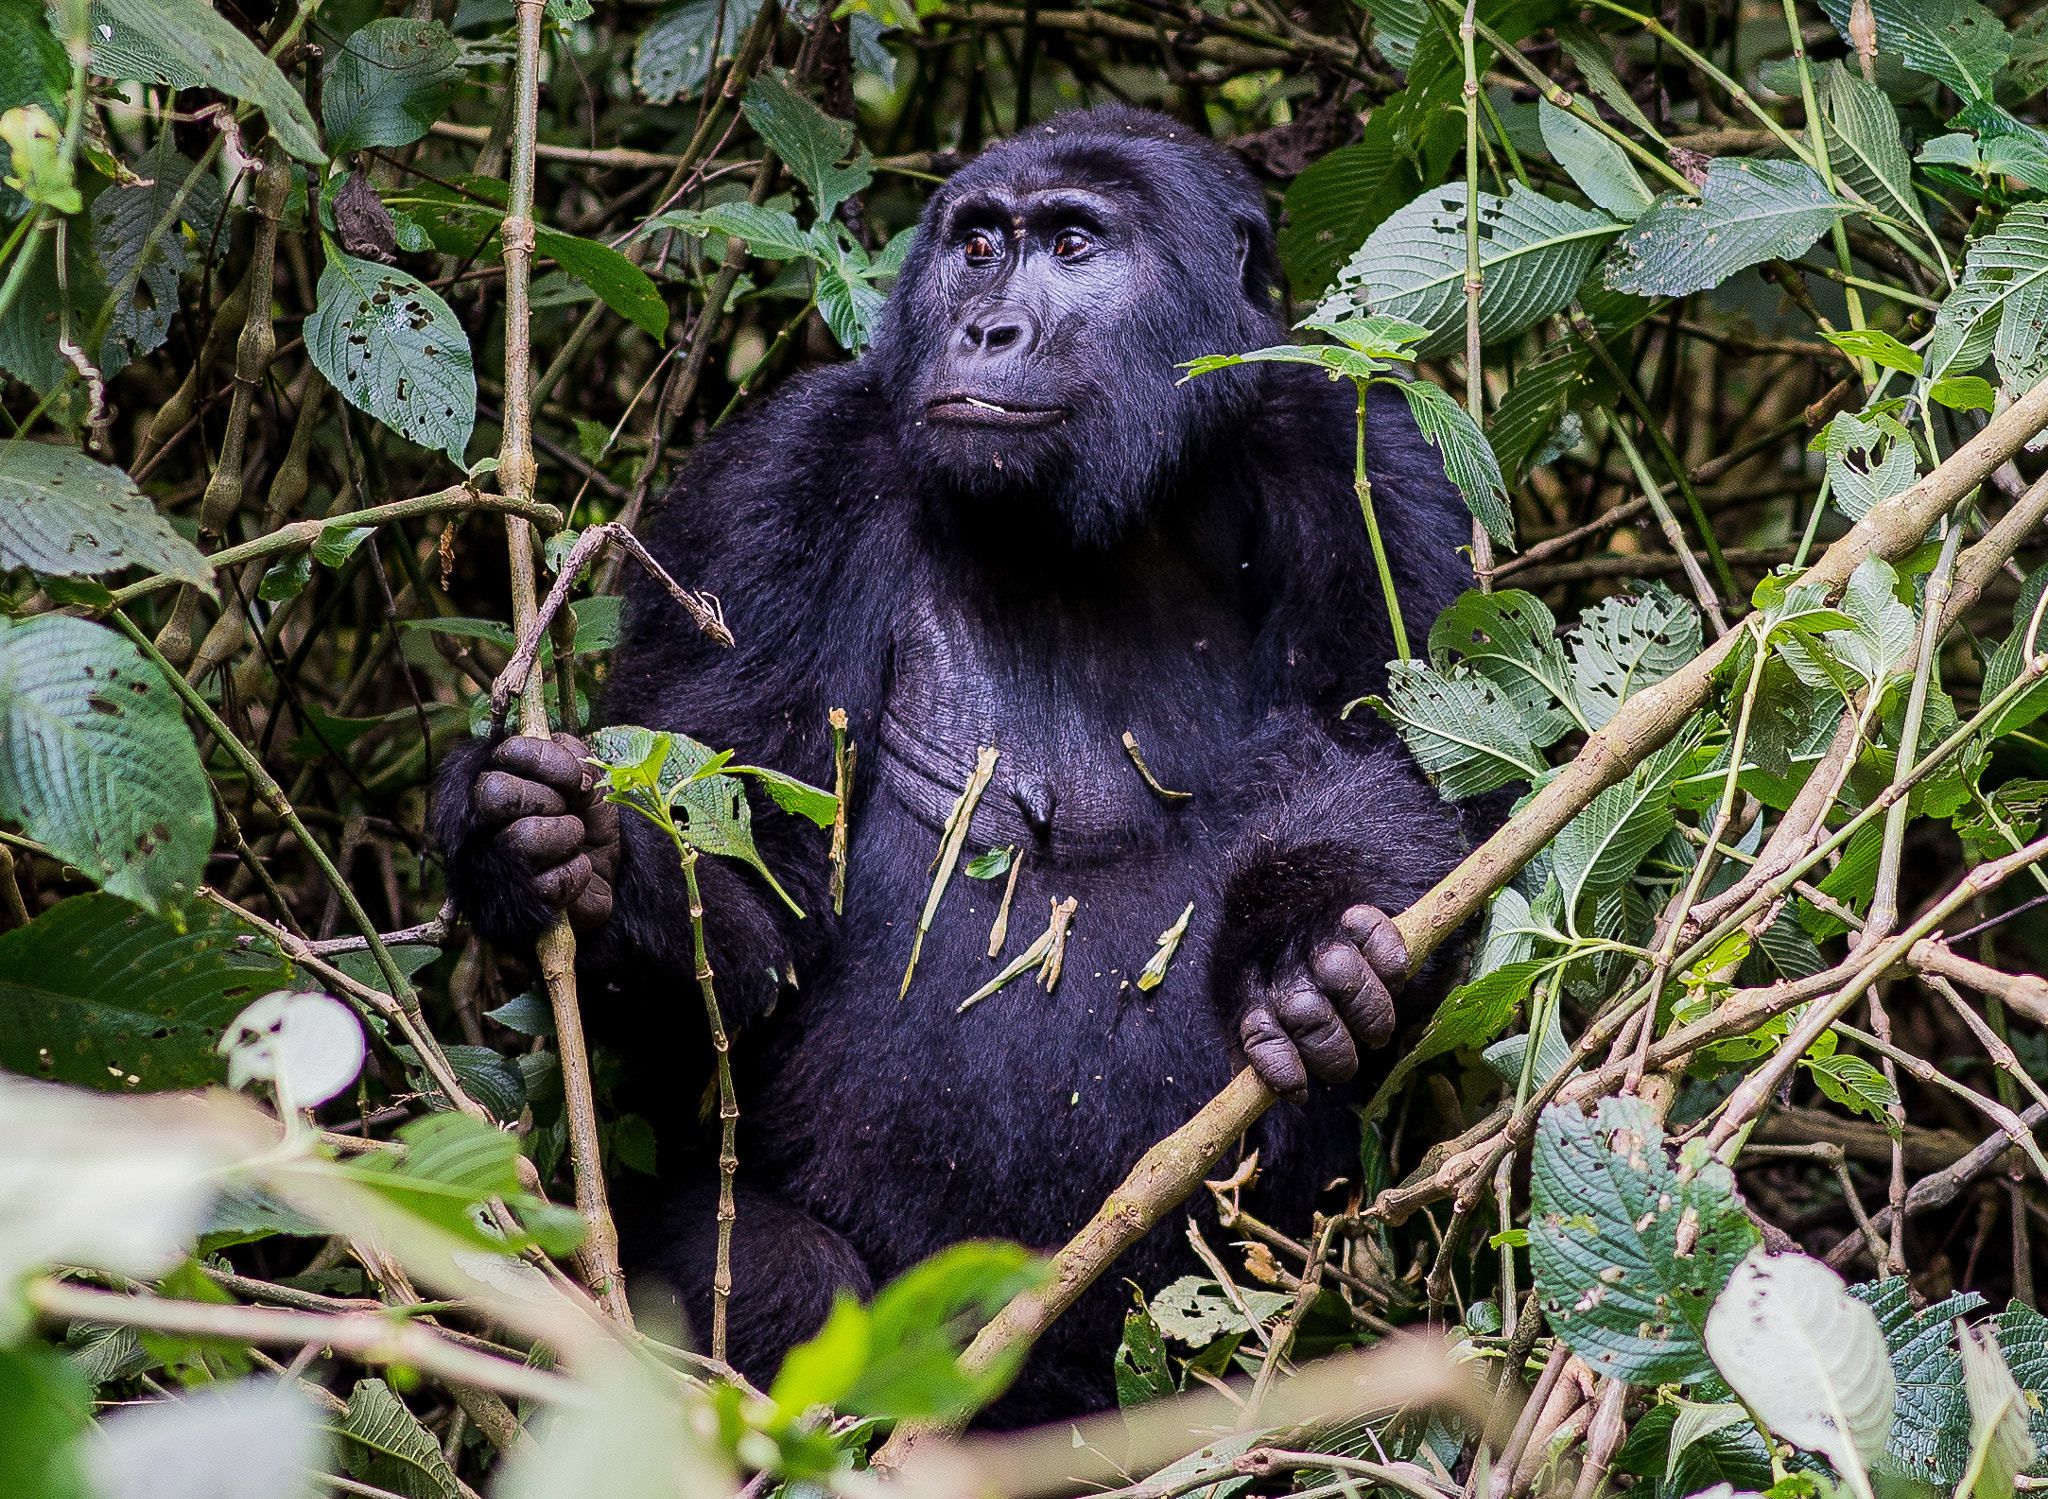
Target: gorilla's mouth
x=957, y=408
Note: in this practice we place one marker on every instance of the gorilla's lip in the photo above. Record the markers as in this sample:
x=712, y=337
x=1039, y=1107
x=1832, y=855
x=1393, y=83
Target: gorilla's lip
x=961, y=409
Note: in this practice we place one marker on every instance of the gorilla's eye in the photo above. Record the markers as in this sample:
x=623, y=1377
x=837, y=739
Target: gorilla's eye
x=980, y=249
x=1071, y=244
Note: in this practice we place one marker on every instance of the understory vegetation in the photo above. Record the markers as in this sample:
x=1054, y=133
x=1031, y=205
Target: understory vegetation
x=345, y=344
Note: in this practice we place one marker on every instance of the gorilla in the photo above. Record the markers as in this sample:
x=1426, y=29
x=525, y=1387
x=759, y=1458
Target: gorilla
x=1011, y=525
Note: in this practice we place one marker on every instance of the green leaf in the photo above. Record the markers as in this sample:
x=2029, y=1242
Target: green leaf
x=1197, y=1311
x=488, y=1076
x=64, y=515
x=1963, y=393
x=674, y=54
x=1865, y=148
x=822, y=1369
x=388, y=1448
x=992, y=865
x=1468, y=457
x=45, y=1412
x=451, y=1163
x=2023, y=1337
x=1378, y=336
x=1600, y=169
x=122, y=218
x=850, y=305
x=1601, y=847
x=1341, y=363
x=1749, y=211
x=1605, y=1215
x=1534, y=252
x=1627, y=642
x=1854, y=1084
x=920, y=1321
x=1809, y=1358
x=392, y=80
x=1340, y=199
x=619, y=284
x=1877, y=346
x=286, y=578
x=1460, y=727
x=768, y=233
x=809, y=141
x=337, y=543
x=2000, y=305
x=95, y=992
x=96, y=762
x=1471, y=1015
x=1930, y=1421
x=1510, y=638
x=792, y=795
x=1143, y=1371
x=1957, y=41
x=392, y=347
x=206, y=43
x=33, y=68
x=1398, y=26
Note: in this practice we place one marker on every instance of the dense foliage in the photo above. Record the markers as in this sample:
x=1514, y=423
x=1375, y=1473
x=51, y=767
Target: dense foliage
x=311, y=317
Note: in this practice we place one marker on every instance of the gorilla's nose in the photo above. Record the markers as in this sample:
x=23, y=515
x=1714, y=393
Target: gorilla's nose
x=998, y=335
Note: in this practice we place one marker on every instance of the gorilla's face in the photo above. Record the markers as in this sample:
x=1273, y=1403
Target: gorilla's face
x=1033, y=338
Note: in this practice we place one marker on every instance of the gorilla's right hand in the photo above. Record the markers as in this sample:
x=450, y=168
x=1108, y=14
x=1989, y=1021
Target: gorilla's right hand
x=552, y=821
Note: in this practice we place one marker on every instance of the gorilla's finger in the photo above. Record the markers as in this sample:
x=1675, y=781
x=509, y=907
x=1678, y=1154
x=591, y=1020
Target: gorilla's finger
x=561, y=885
x=542, y=842
x=592, y=908
x=1369, y=1013
x=1313, y=1025
x=542, y=760
x=504, y=797
x=601, y=833
x=1338, y=969
x=578, y=752
x=1272, y=1055
x=1379, y=939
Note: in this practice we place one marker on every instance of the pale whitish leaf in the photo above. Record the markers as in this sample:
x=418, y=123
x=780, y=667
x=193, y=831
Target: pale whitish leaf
x=252, y=1439
x=385, y=1445
x=95, y=1181
x=1999, y=306
x=1605, y=1214
x=204, y=41
x=96, y=762
x=1749, y=211
x=1504, y=940
x=2023, y=1337
x=1864, y=145
x=1600, y=168
x=2000, y=1445
x=1854, y=1084
x=1195, y=1310
x=1957, y=41
x=1459, y=727
x=309, y=1046
x=1930, y=1420
x=63, y=515
x=1602, y=846
x=392, y=347
x=1468, y=457
x=1868, y=461
x=1398, y=26
x=1533, y=253
x=1379, y=335
x=1593, y=56
x=1809, y=1358
x=810, y=142
x=1696, y=1422
x=391, y=81
x=1625, y=643
x=674, y=54
x=631, y=1436
x=1510, y=638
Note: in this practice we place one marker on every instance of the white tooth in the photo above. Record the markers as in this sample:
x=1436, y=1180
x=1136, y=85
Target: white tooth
x=985, y=405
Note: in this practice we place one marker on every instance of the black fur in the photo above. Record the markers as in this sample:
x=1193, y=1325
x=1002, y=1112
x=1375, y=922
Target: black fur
x=1186, y=562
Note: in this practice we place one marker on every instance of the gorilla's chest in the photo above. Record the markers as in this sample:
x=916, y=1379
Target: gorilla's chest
x=1054, y=689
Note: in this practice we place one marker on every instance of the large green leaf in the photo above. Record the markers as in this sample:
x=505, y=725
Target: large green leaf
x=1460, y=727
x=33, y=69
x=392, y=80
x=1510, y=638
x=1601, y=847
x=1468, y=457
x=1749, y=211
x=204, y=41
x=1606, y=1212
x=1957, y=41
x=96, y=762
x=1338, y=201
x=392, y=347
x=96, y=992
x=1930, y=1432
x=1598, y=167
x=1625, y=643
x=1471, y=1015
x=2000, y=307
x=1534, y=252
x=120, y=51
x=674, y=54
x=810, y=142
x=619, y=284
x=1864, y=145
x=63, y=515
x=385, y=1445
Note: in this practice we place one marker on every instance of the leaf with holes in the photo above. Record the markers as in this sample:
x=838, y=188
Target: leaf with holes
x=96, y=762
x=392, y=347
x=1999, y=307
x=391, y=81
x=65, y=516
x=1534, y=252
x=1625, y=643
x=1748, y=212
x=1957, y=41
x=1339, y=200
x=1606, y=1215
x=1930, y=1433
x=385, y=1445
x=96, y=992
x=202, y=40
x=1460, y=727
x=1868, y=461
x=1510, y=638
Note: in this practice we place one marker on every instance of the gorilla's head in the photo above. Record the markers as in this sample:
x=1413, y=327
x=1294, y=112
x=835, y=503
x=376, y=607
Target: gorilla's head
x=1031, y=342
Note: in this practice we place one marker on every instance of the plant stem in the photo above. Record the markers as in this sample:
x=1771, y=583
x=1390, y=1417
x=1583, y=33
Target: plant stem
x=1372, y=530
x=1475, y=285
x=728, y=1111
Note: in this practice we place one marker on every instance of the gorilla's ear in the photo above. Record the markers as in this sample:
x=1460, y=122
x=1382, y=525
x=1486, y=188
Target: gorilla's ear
x=1256, y=271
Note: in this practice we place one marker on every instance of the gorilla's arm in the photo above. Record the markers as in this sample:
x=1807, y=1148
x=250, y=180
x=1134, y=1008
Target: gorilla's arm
x=782, y=526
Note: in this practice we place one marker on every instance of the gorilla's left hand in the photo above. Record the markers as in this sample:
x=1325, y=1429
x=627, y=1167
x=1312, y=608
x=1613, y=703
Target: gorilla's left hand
x=1314, y=1016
